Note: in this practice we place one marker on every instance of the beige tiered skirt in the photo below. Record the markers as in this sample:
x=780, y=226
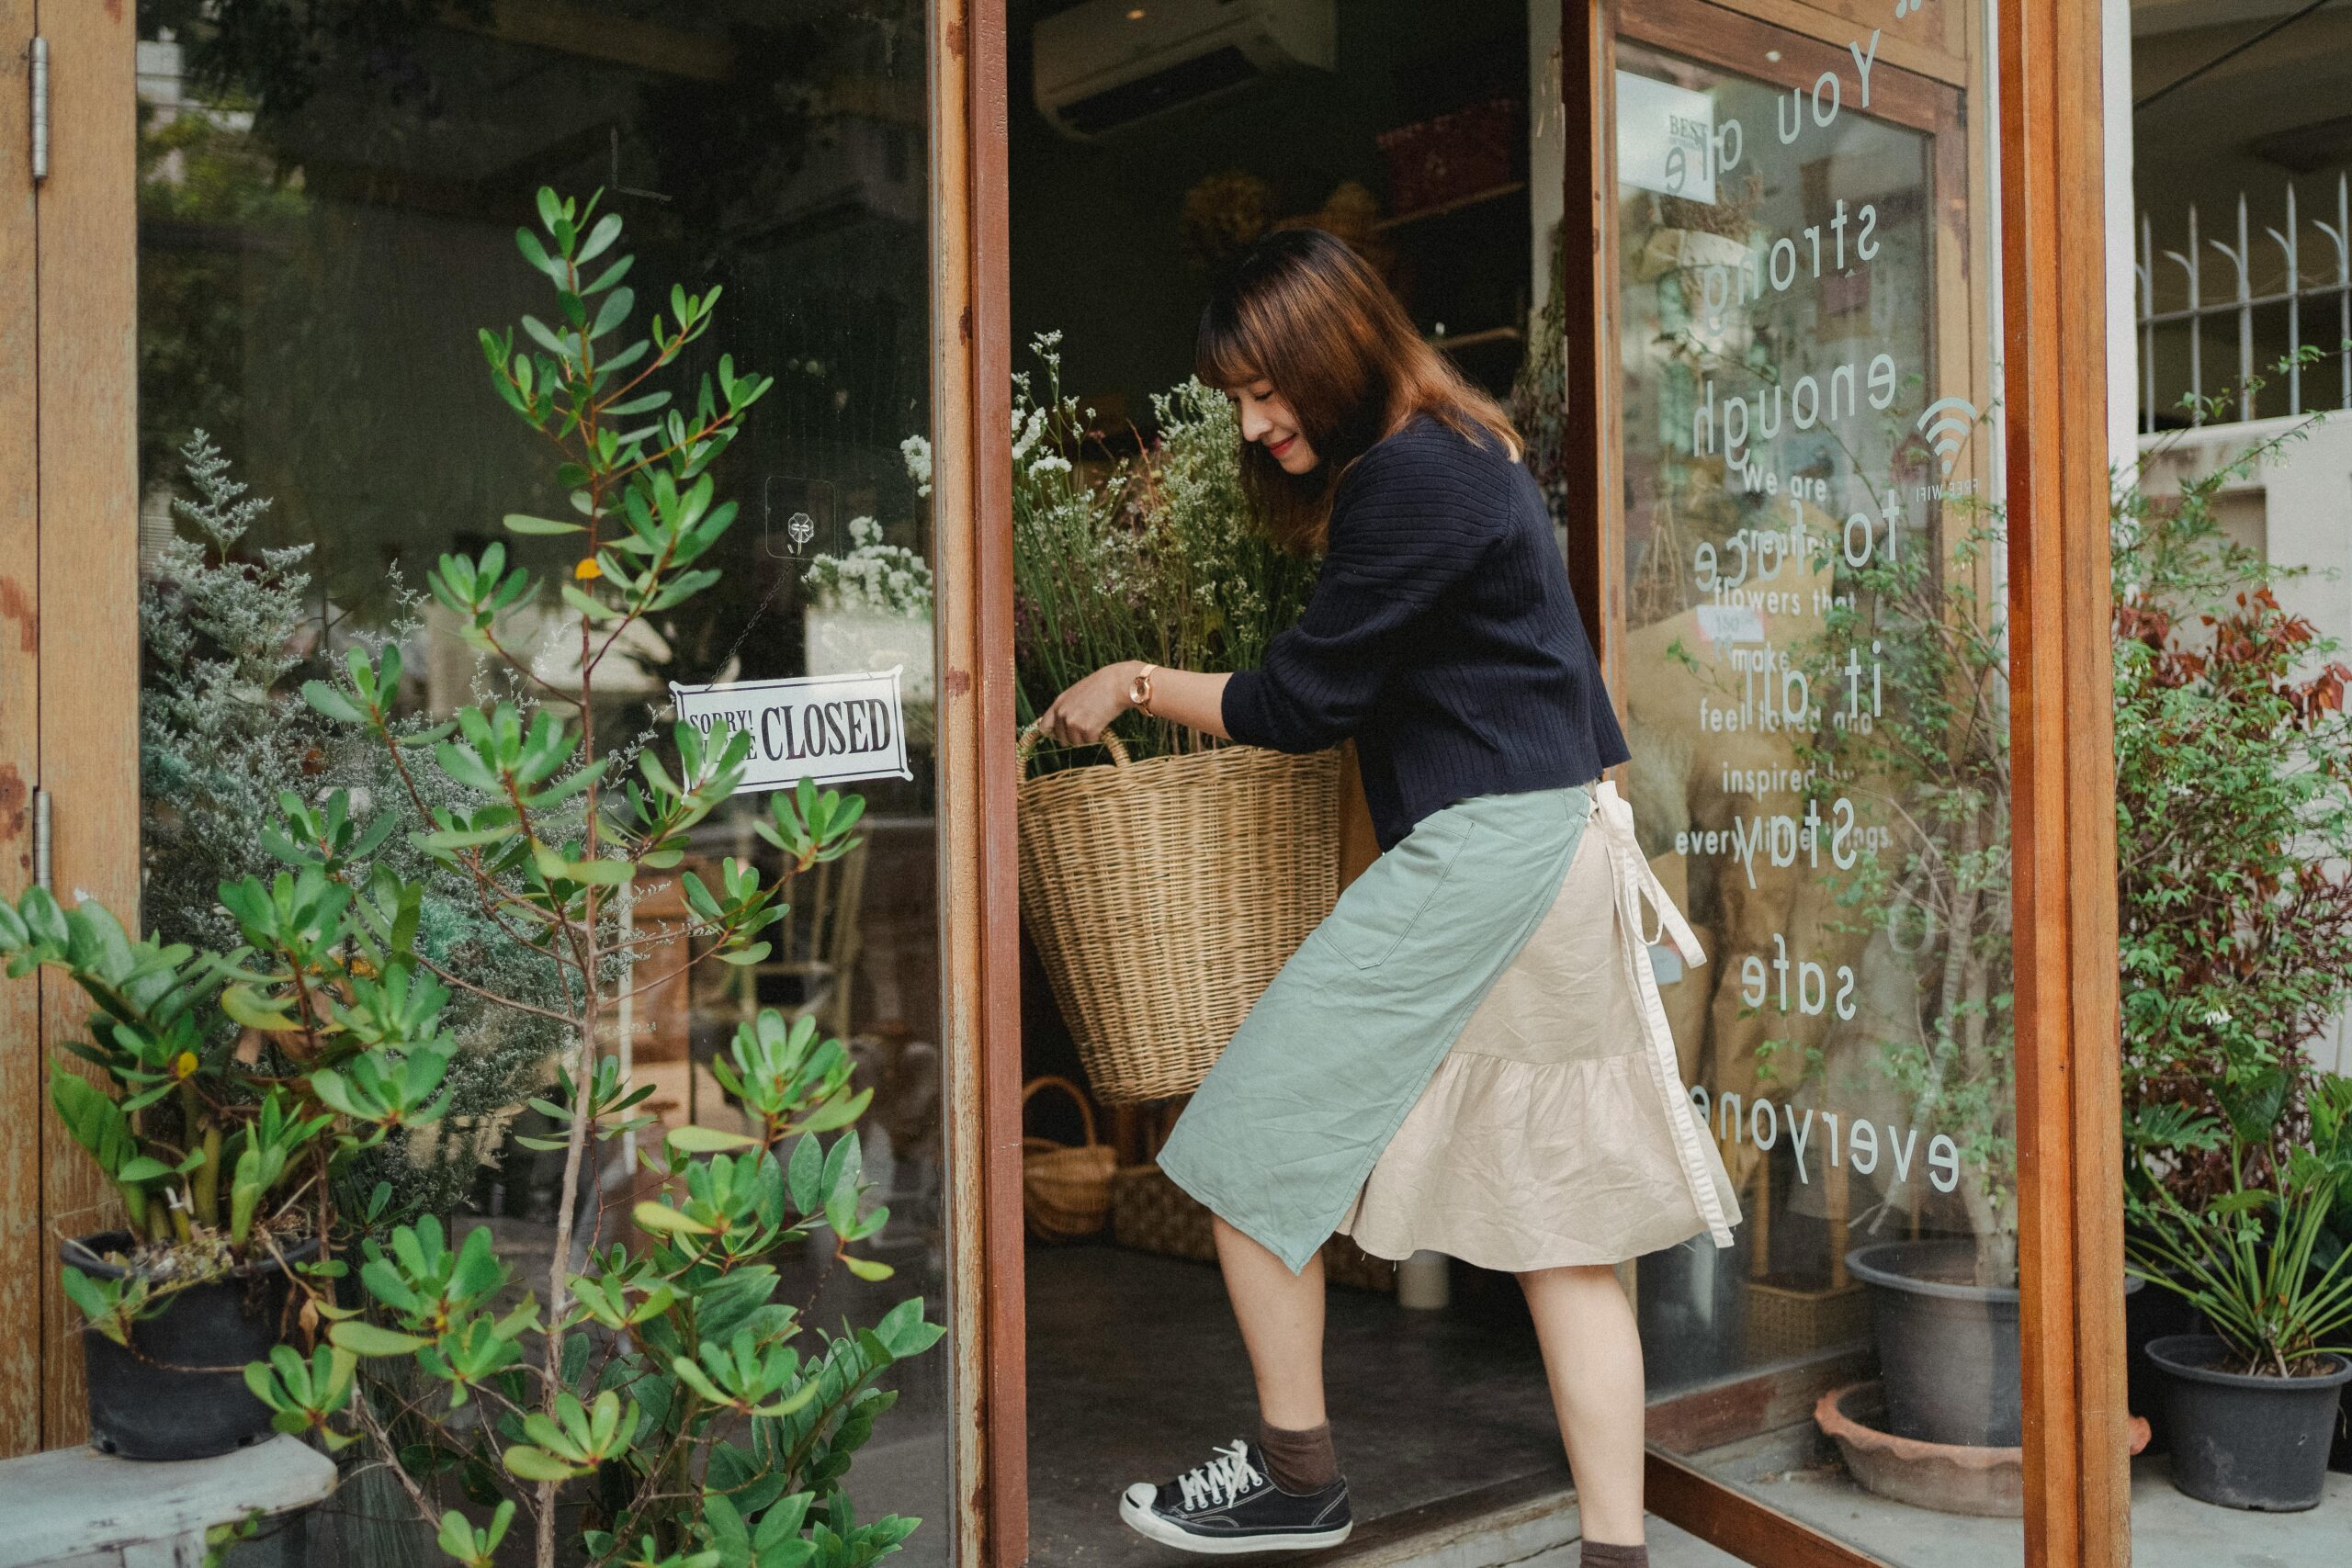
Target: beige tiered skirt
x=1555, y=1131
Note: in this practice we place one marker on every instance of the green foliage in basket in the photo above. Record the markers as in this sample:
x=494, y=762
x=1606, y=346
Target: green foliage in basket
x=1155, y=556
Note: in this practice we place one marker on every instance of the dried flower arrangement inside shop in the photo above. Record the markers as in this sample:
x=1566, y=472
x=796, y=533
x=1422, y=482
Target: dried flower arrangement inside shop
x=1154, y=558
x=660, y=1388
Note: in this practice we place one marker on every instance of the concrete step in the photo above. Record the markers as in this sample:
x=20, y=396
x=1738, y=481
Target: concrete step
x=1520, y=1524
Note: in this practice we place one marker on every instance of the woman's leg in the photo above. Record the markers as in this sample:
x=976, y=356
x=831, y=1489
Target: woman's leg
x=1592, y=1356
x=1280, y=1316
x=1282, y=1492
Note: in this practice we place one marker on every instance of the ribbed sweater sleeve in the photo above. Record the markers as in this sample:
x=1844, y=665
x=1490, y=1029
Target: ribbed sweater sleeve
x=1408, y=522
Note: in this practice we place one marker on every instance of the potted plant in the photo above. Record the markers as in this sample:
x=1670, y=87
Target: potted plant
x=2233, y=820
x=2251, y=1406
x=1933, y=769
x=219, y=1182
x=656, y=1405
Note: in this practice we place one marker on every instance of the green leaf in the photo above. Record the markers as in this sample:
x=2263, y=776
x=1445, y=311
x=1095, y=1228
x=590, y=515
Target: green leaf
x=593, y=608
x=367, y=1339
x=538, y=1464
x=695, y=1140
x=331, y=703
x=661, y=1217
x=806, y=1174
x=522, y=523
x=867, y=1268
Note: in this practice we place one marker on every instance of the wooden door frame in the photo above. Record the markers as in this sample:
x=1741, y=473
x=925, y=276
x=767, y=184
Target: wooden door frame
x=972, y=502
x=20, y=1052
x=69, y=713
x=2050, y=202
x=68, y=390
x=79, y=236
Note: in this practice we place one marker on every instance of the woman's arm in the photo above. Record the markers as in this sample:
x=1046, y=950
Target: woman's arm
x=1080, y=715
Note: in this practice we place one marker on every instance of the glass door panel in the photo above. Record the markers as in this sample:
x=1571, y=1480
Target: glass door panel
x=1812, y=663
x=329, y=196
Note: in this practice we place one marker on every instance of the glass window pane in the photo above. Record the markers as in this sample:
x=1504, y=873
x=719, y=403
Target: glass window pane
x=329, y=201
x=1813, y=671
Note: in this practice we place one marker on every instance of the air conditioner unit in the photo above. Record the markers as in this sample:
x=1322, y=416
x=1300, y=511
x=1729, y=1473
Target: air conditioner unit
x=1108, y=63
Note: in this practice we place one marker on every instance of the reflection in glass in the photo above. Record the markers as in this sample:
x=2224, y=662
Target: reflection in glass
x=1814, y=674
x=328, y=200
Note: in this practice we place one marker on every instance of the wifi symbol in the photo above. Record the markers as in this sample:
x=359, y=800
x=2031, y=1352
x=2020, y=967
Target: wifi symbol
x=1946, y=424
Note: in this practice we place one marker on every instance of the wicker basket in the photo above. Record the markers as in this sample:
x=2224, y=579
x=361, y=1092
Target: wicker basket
x=1151, y=1213
x=1163, y=894
x=1784, y=1322
x=1065, y=1190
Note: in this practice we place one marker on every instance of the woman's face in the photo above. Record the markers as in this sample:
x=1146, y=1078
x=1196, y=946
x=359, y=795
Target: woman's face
x=1267, y=419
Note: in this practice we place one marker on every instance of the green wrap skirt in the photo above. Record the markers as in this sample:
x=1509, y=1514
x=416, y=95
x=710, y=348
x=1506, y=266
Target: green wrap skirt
x=1468, y=1056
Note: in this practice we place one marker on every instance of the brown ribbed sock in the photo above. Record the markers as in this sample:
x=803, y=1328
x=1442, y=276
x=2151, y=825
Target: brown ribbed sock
x=1299, y=1462
x=1603, y=1554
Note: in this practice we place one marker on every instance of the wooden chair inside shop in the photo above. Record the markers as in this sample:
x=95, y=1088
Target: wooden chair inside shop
x=812, y=969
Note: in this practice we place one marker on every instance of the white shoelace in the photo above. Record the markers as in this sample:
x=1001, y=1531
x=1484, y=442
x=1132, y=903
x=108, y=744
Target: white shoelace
x=1221, y=1480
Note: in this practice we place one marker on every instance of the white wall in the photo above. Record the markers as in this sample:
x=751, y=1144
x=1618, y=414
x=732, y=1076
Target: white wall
x=2123, y=289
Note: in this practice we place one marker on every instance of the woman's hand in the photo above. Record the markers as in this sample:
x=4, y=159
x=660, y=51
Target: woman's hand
x=1080, y=715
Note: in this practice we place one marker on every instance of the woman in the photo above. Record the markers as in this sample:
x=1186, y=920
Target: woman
x=1468, y=1054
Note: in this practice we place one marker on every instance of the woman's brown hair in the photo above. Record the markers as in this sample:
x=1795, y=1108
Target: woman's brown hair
x=1304, y=312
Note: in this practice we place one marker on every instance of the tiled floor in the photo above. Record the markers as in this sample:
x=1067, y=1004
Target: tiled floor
x=1136, y=1371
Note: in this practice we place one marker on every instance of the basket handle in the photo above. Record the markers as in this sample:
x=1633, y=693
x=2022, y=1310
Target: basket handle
x=1085, y=1111
x=1109, y=743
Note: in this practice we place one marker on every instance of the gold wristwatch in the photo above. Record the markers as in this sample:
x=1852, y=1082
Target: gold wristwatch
x=1139, y=689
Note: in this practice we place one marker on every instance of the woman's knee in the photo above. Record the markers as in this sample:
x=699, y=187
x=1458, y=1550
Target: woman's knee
x=1572, y=1276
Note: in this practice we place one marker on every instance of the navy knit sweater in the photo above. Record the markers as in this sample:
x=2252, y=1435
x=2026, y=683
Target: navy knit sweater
x=1441, y=634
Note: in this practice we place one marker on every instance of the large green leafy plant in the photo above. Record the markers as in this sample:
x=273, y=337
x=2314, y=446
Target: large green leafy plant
x=2234, y=829
x=660, y=1379
x=1932, y=766
x=230, y=632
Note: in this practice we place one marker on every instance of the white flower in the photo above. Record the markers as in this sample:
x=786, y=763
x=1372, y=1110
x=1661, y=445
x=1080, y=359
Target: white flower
x=1051, y=463
x=2216, y=1016
x=917, y=453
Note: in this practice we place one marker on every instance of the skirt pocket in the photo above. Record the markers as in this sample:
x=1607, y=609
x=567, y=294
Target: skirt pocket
x=1382, y=906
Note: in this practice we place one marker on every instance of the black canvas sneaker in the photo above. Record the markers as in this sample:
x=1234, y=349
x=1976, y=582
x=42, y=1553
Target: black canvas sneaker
x=1229, y=1505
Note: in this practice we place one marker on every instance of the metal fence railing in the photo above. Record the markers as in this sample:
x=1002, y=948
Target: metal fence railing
x=2290, y=311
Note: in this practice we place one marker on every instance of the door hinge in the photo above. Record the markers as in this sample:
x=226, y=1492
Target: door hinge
x=39, y=76
x=41, y=867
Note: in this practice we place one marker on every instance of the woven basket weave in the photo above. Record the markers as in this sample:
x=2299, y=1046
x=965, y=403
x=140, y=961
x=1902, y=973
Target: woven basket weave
x=1065, y=1187
x=1163, y=894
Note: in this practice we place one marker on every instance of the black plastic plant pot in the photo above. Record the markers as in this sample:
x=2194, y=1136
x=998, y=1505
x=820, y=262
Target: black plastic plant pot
x=1947, y=1347
x=179, y=1391
x=2247, y=1442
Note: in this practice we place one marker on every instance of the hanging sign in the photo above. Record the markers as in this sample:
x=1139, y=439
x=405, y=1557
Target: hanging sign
x=831, y=728
x=1666, y=137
